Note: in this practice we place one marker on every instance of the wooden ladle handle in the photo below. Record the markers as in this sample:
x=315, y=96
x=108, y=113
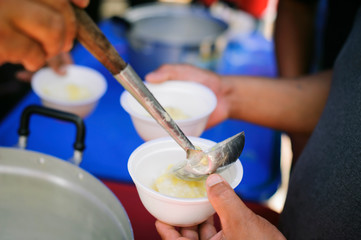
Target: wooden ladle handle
x=91, y=37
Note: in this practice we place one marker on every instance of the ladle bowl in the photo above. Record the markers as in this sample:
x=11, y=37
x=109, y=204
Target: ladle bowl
x=200, y=164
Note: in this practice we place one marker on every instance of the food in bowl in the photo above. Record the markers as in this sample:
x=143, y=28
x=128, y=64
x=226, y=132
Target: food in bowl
x=67, y=91
x=174, y=112
x=190, y=102
x=78, y=91
x=169, y=184
x=149, y=161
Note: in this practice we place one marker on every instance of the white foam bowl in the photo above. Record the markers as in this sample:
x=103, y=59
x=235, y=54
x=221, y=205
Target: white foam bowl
x=150, y=160
x=52, y=89
x=193, y=99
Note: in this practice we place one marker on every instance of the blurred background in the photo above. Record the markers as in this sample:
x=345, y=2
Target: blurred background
x=228, y=37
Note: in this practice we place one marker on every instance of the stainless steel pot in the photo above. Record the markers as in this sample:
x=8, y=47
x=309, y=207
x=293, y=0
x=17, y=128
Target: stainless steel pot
x=43, y=197
x=172, y=33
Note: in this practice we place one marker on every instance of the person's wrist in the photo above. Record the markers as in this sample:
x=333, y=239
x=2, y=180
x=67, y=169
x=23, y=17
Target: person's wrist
x=228, y=93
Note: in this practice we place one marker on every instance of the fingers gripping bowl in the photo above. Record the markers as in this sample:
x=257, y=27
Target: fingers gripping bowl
x=150, y=160
x=78, y=91
x=188, y=103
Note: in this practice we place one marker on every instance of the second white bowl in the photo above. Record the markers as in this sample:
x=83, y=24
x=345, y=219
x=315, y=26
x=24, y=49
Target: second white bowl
x=192, y=99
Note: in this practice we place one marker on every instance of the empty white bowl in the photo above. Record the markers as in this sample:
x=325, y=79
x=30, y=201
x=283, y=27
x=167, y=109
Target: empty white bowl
x=192, y=99
x=150, y=160
x=78, y=91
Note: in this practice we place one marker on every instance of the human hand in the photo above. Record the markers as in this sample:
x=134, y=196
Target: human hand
x=34, y=31
x=190, y=73
x=238, y=221
x=57, y=63
x=205, y=230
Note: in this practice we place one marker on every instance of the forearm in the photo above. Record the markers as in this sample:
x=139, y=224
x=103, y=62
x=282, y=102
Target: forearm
x=284, y=104
x=294, y=37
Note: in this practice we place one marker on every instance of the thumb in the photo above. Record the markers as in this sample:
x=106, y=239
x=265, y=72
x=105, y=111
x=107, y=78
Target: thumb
x=238, y=221
x=156, y=76
x=229, y=207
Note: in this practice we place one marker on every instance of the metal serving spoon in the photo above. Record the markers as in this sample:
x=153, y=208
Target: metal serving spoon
x=199, y=163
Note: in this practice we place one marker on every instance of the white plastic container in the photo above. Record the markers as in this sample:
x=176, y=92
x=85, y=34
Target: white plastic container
x=78, y=91
x=191, y=98
x=148, y=162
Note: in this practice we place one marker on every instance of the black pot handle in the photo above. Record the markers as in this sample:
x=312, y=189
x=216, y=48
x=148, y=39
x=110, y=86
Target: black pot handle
x=24, y=132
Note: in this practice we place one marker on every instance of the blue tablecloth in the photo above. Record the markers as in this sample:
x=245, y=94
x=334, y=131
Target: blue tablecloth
x=111, y=137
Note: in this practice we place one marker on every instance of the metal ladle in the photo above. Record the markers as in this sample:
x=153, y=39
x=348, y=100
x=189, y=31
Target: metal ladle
x=199, y=163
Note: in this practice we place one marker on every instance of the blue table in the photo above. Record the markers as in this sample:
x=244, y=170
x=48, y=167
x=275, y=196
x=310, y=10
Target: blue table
x=111, y=137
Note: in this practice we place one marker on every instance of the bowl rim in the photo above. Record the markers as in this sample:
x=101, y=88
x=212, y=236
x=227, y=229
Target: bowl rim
x=162, y=196
x=71, y=67
x=213, y=103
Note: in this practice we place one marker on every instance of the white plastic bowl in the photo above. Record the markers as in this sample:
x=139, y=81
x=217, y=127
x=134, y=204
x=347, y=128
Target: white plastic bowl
x=87, y=85
x=193, y=99
x=148, y=162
